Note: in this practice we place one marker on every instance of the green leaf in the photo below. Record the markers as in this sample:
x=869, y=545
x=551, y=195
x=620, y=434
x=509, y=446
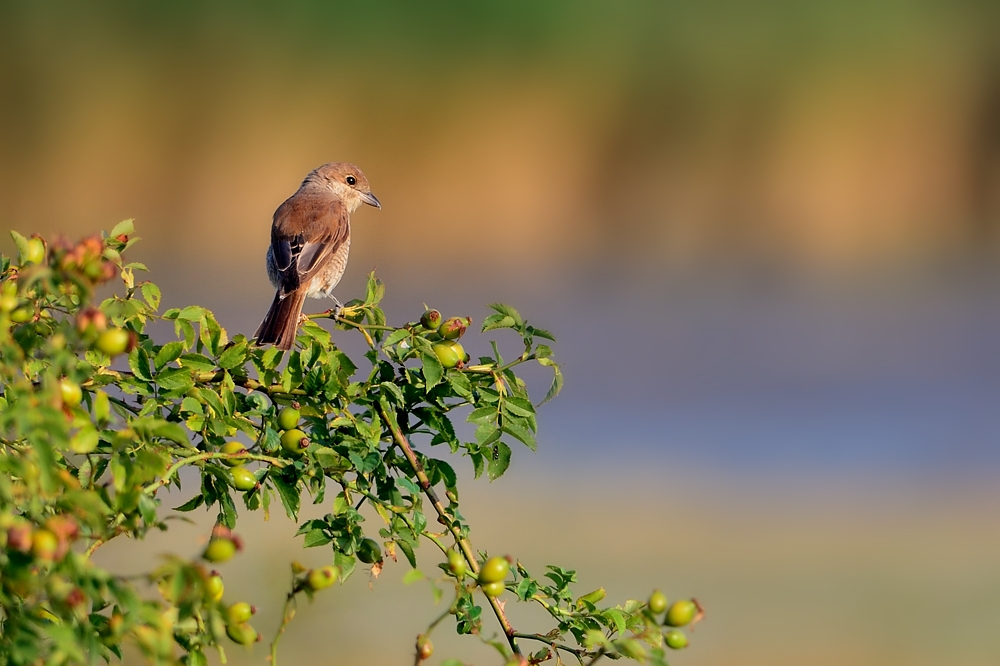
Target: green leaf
x=432, y=370
x=191, y=504
x=289, y=495
x=169, y=352
x=616, y=618
x=557, y=381
x=316, y=538
x=396, y=336
x=483, y=415
x=412, y=576
x=125, y=227
x=151, y=293
x=197, y=362
x=192, y=313
x=508, y=311
x=498, y=321
x=21, y=242
x=138, y=361
x=521, y=433
x=173, y=379
x=234, y=356
x=519, y=406
x=499, y=461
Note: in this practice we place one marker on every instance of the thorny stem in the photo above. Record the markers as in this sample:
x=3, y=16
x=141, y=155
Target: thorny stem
x=444, y=519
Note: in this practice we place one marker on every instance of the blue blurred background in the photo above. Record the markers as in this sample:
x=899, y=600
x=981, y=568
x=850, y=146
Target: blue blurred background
x=765, y=233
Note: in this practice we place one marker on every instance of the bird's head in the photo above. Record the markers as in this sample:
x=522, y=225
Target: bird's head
x=347, y=182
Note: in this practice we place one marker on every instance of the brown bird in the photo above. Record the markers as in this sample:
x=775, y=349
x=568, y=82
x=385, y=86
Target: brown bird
x=310, y=239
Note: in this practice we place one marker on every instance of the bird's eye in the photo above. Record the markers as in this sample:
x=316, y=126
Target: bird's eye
x=351, y=180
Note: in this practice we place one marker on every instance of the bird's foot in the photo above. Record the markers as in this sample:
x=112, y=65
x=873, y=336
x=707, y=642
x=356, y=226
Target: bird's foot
x=337, y=308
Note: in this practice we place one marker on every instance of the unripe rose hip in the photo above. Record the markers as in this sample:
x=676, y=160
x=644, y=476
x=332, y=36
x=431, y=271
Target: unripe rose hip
x=294, y=441
x=431, y=320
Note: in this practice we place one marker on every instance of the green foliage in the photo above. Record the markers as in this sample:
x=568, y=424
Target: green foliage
x=96, y=419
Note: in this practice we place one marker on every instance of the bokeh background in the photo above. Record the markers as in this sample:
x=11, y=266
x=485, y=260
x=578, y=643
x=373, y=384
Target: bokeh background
x=765, y=233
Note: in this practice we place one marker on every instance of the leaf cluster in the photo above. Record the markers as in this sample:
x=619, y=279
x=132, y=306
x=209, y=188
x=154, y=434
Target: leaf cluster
x=97, y=418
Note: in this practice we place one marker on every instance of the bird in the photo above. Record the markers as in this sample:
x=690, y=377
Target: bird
x=310, y=240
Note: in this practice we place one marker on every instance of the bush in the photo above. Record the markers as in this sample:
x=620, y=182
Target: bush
x=96, y=419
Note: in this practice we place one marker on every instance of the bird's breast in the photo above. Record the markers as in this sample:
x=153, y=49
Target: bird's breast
x=321, y=286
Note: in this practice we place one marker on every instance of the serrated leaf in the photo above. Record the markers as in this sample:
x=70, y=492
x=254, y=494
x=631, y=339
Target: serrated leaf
x=483, y=415
x=396, y=336
x=125, y=227
x=138, y=361
x=316, y=538
x=192, y=313
x=173, y=379
x=499, y=461
x=617, y=618
x=233, y=357
x=498, y=321
x=191, y=504
x=433, y=371
x=198, y=362
x=522, y=434
x=557, y=382
x=508, y=311
x=288, y=494
x=519, y=406
x=169, y=352
x=151, y=293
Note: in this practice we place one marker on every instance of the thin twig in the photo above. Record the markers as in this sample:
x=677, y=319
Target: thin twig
x=444, y=519
x=153, y=487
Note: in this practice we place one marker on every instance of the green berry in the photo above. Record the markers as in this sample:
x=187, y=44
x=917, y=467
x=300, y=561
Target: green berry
x=317, y=579
x=294, y=441
x=680, y=613
x=493, y=589
x=657, y=602
x=675, y=639
x=233, y=448
x=8, y=302
x=431, y=320
x=454, y=328
x=70, y=391
x=447, y=354
x=219, y=549
x=288, y=418
x=214, y=587
x=243, y=634
x=113, y=341
x=239, y=612
x=20, y=315
x=369, y=552
x=494, y=570
x=243, y=479
x=36, y=251
x=456, y=564
x=44, y=545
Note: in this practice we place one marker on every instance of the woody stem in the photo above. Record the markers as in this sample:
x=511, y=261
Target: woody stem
x=445, y=519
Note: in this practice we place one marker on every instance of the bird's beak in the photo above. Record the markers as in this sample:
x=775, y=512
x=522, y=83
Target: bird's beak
x=370, y=199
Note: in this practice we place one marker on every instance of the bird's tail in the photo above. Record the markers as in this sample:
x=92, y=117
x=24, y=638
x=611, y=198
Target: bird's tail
x=281, y=322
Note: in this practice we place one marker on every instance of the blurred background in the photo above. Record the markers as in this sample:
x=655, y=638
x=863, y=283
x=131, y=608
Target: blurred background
x=766, y=235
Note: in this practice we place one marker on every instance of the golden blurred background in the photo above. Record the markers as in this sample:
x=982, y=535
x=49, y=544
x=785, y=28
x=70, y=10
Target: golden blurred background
x=765, y=233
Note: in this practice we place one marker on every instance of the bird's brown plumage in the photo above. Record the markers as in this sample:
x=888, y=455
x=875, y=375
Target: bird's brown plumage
x=310, y=241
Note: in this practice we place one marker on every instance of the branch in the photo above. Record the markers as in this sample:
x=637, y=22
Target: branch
x=153, y=487
x=445, y=520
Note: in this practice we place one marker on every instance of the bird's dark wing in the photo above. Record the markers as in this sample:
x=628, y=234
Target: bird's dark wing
x=307, y=231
